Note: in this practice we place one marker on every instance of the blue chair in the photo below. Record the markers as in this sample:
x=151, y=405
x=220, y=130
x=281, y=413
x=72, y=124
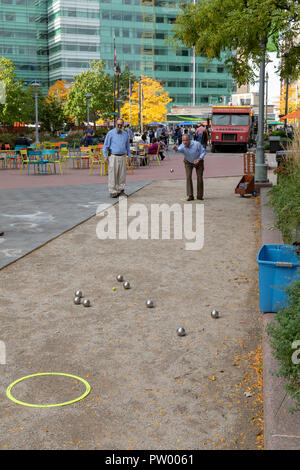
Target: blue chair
x=20, y=147
x=49, y=157
x=35, y=158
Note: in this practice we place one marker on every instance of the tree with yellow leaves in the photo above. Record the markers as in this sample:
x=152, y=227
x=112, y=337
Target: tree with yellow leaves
x=293, y=99
x=154, y=101
x=60, y=90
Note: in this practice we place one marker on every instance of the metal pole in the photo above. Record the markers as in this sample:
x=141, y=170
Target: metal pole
x=36, y=118
x=88, y=111
x=194, y=72
x=260, y=166
x=114, y=99
x=118, y=97
x=267, y=83
x=194, y=78
x=130, y=103
x=140, y=105
x=286, y=102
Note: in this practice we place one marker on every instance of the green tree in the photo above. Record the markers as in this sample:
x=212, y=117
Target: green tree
x=52, y=114
x=97, y=83
x=241, y=30
x=14, y=107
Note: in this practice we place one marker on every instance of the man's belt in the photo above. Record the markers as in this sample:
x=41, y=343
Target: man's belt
x=119, y=154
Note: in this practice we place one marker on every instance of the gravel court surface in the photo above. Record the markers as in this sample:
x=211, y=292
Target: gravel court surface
x=150, y=388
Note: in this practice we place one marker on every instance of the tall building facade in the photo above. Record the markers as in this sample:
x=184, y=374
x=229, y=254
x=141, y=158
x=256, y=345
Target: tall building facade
x=61, y=38
x=24, y=38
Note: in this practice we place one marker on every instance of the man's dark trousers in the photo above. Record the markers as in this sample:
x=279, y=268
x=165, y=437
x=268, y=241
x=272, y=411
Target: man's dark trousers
x=189, y=182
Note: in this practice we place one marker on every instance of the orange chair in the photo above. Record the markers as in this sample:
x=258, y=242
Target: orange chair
x=129, y=165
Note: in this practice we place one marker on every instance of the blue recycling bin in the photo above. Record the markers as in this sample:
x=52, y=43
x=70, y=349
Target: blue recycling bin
x=278, y=267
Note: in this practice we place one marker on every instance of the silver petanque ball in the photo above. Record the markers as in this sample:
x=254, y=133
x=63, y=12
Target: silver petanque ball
x=78, y=293
x=86, y=303
x=171, y=170
x=126, y=285
x=181, y=331
x=120, y=278
x=150, y=303
x=77, y=300
x=215, y=314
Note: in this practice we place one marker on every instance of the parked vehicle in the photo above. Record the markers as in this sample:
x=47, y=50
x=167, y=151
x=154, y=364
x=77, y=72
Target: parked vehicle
x=231, y=126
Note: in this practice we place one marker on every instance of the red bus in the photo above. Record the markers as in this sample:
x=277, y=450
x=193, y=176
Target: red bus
x=231, y=126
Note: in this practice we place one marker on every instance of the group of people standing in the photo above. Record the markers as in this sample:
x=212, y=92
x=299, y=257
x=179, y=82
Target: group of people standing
x=199, y=133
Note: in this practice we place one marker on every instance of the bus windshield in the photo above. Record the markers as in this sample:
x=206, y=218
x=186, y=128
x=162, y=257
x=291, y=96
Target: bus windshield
x=221, y=119
x=240, y=120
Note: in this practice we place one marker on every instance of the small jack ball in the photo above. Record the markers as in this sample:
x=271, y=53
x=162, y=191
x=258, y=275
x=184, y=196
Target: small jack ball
x=181, y=331
x=215, y=314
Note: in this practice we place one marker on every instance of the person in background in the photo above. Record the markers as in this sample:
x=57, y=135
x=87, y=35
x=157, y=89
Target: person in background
x=204, y=139
x=162, y=148
x=143, y=141
x=178, y=136
x=159, y=131
x=151, y=135
x=22, y=141
x=130, y=133
x=199, y=131
x=1, y=234
x=88, y=136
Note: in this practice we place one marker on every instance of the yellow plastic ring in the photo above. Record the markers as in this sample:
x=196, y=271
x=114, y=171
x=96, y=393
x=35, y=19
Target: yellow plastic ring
x=87, y=390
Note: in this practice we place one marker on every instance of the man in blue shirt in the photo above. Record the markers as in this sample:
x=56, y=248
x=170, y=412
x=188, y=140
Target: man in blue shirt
x=194, y=154
x=117, y=144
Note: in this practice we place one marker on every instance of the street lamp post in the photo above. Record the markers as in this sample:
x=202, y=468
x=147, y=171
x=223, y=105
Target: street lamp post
x=118, y=72
x=88, y=97
x=267, y=83
x=36, y=85
x=260, y=166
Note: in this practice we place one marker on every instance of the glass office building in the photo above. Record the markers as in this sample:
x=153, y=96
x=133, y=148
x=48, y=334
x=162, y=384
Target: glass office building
x=56, y=39
x=24, y=38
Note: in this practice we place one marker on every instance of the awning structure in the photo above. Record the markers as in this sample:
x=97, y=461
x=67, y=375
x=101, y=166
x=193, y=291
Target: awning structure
x=293, y=115
x=275, y=123
x=156, y=124
x=181, y=118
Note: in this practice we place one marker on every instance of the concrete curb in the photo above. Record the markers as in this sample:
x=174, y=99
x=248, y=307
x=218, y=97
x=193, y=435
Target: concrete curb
x=281, y=428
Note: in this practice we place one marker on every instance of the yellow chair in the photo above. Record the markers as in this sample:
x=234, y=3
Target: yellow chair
x=24, y=161
x=62, y=160
x=153, y=156
x=97, y=158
